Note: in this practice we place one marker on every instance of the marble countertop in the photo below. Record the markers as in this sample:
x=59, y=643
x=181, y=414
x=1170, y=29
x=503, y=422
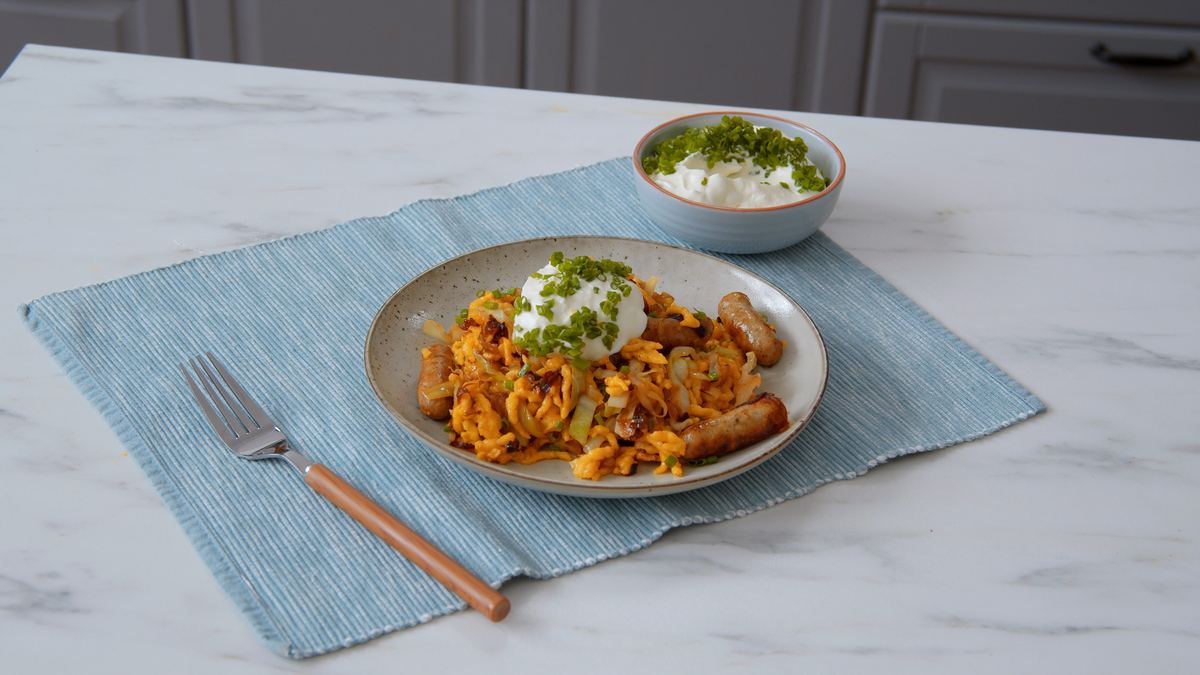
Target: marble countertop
x=1069, y=543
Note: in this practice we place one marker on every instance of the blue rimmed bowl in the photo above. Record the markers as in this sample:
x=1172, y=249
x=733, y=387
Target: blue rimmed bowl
x=739, y=230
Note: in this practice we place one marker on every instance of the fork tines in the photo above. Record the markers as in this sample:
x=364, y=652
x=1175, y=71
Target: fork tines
x=232, y=415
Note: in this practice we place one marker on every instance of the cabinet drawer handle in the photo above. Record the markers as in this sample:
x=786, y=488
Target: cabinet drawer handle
x=1143, y=60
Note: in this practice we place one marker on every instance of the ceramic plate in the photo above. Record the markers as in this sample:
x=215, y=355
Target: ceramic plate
x=394, y=342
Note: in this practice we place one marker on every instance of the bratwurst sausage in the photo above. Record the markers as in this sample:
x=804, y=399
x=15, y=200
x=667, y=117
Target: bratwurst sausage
x=748, y=329
x=671, y=333
x=756, y=419
x=435, y=370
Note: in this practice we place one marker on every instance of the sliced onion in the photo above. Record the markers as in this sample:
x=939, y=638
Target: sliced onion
x=747, y=382
x=745, y=388
x=581, y=422
x=682, y=398
x=487, y=368
x=680, y=352
x=531, y=425
x=578, y=383
x=652, y=400
x=439, y=390
x=593, y=443
x=618, y=401
x=497, y=314
x=731, y=354
x=433, y=330
x=677, y=369
x=677, y=363
x=751, y=363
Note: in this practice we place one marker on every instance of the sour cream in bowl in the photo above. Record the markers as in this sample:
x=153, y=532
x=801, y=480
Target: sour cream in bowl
x=737, y=182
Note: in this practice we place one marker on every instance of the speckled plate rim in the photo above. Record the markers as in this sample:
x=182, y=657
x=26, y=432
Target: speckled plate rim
x=391, y=354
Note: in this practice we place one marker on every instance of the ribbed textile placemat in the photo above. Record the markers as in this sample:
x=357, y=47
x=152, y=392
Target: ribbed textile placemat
x=292, y=315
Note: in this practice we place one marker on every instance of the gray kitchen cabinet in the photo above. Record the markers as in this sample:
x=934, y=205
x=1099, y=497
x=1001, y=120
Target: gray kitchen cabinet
x=140, y=26
x=470, y=41
x=797, y=54
x=1144, y=12
x=782, y=54
x=1038, y=73
x=1100, y=66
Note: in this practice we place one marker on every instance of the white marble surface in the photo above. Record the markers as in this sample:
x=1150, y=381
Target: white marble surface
x=1069, y=543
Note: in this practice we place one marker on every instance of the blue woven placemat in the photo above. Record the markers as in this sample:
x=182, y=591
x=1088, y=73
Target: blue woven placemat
x=293, y=315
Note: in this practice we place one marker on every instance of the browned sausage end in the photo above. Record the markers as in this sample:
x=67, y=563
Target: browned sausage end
x=435, y=370
x=748, y=329
x=670, y=332
x=761, y=417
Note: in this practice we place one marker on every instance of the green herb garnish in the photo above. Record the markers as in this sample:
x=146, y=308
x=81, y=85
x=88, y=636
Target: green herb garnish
x=735, y=139
x=584, y=324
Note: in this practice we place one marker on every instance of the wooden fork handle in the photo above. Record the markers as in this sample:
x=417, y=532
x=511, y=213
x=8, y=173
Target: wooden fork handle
x=440, y=566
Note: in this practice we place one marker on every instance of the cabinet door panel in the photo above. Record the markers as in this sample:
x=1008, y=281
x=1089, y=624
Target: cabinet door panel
x=1032, y=74
x=474, y=41
x=708, y=51
x=705, y=51
x=1171, y=12
x=783, y=54
x=139, y=26
x=1058, y=100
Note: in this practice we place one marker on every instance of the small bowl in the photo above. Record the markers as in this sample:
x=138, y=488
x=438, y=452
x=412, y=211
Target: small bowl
x=730, y=230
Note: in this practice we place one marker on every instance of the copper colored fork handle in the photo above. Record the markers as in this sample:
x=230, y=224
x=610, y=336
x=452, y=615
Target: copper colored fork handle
x=440, y=566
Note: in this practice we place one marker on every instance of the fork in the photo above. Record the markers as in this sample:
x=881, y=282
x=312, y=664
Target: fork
x=251, y=434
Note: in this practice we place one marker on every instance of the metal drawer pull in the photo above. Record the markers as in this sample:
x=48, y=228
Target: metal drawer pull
x=1142, y=60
